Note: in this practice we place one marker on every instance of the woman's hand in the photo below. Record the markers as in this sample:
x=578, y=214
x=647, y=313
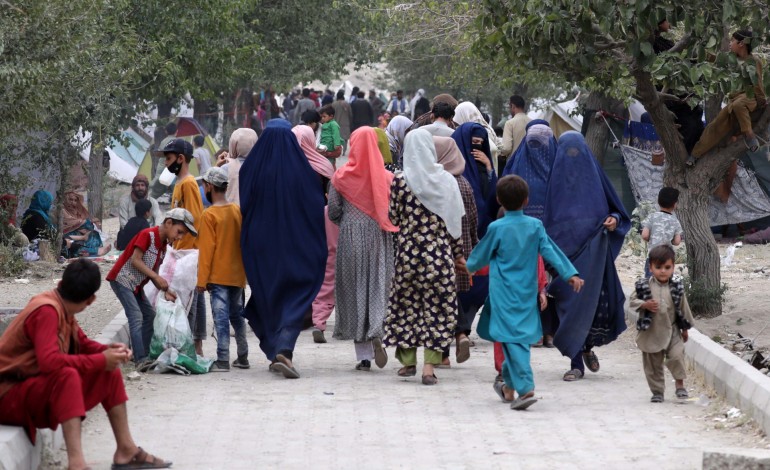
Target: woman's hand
x=610, y=223
x=480, y=157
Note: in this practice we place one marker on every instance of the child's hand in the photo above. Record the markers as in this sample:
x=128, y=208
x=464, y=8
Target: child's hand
x=160, y=283
x=651, y=306
x=200, y=290
x=460, y=265
x=610, y=223
x=543, y=300
x=170, y=295
x=576, y=283
x=685, y=335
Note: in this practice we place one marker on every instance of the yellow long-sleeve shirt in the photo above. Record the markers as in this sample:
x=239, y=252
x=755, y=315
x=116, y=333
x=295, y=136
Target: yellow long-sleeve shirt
x=219, y=242
x=187, y=196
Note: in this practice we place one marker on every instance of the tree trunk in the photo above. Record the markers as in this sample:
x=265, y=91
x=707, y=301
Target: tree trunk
x=95, y=181
x=597, y=131
x=164, y=109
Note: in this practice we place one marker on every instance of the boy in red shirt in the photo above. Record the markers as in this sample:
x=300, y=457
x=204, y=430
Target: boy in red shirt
x=138, y=265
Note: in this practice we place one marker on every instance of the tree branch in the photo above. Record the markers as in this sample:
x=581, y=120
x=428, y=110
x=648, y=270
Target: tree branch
x=681, y=44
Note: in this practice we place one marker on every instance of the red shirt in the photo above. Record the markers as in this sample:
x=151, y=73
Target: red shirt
x=124, y=273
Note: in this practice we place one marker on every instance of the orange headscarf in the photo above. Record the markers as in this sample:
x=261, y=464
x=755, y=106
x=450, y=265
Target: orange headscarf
x=363, y=181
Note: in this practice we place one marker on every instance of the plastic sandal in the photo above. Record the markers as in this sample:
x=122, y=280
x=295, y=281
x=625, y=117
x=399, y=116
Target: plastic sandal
x=573, y=375
x=682, y=394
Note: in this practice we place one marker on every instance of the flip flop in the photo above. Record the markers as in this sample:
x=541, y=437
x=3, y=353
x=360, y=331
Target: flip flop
x=656, y=398
x=522, y=403
x=407, y=371
x=573, y=375
x=463, y=351
x=281, y=364
x=380, y=355
x=140, y=460
x=682, y=394
x=498, y=386
x=429, y=379
x=592, y=362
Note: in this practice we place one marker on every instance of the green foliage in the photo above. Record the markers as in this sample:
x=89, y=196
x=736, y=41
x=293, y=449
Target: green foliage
x=701, y=297
x=11, y=261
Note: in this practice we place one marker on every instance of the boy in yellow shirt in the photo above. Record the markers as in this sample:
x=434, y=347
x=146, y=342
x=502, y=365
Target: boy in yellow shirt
x=179, y=154
x=220, y=269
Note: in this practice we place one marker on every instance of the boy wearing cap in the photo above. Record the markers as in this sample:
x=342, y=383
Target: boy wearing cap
x=137, y=265
x=179, y=154
x=220, y=269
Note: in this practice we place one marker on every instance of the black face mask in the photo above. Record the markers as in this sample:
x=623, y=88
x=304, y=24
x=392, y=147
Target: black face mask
x=477, y=147
x=208, y=197
x=175, y=167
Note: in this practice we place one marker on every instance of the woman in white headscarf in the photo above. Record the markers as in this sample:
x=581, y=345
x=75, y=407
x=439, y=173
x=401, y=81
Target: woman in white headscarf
x=419, y=94
x=468, y=112
x=426, y=205
x=241, y=142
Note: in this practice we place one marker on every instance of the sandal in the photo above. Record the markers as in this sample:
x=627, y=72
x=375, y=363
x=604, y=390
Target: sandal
x=539, y=343
x=429, y=379
x=380, y=355
x=682, y=394
x=285, y=366
x=522, y=403
x=498, y=386
x=463, y=350
x=407, y=371
x=142, y=460
x=548, y=341
x=752, y=144
x=573, y=375
x=592, y=362
x=656, y=398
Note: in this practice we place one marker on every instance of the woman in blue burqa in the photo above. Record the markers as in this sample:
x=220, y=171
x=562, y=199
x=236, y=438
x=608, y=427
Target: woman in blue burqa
x=473, y=141
x=283, y=241
x=533, y=162
x=584, y=216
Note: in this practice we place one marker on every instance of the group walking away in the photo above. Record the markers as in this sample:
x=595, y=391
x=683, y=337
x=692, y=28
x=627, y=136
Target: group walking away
x=420, y=229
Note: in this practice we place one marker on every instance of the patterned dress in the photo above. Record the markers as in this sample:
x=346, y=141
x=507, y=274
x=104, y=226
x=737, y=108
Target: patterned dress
x=363, y=271
x=423, y=297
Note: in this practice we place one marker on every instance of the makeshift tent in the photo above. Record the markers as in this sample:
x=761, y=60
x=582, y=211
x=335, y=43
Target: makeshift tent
x=187, y=128
x=131, y=147
x=748, y=198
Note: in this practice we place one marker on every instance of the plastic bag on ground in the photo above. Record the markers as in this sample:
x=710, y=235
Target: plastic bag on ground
x=172, y=343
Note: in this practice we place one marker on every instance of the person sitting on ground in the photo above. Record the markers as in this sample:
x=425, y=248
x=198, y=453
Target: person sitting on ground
x=139, y=190
x=201, y=154
x=664, y=318
x=36, y=223
x=330, y=134
x=220, y=269
x=51, y=373
x=139, y=264
x=135, y=224
x=10, y=234
x=662, y=227
x=442, y=120
x=739, y=104
x=511, y=247
x=81, y=232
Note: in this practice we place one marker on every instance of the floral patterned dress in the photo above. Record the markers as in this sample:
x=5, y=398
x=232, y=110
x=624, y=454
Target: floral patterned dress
x=423, y=297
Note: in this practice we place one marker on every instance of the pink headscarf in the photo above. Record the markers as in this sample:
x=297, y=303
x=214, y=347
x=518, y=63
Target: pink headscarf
x=306, y=139
x=449, y=155
x=363, y=181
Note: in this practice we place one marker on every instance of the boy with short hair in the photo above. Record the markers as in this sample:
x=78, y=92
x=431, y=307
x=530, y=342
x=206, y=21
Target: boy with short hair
x=662, y=227
x=664, y=318
x=186, y=195
x=330, y=134
x=511, y=316
x=136, y=224
x=137, y=265
x=201, y=154
x=51, y=373
x=220, y=269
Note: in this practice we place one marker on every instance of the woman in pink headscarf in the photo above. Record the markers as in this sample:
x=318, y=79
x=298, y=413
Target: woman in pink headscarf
x=324, y=301
x=358, y=202
x=241, y=142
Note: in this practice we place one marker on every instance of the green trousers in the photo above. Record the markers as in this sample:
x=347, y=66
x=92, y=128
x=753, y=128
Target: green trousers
x=408, y=356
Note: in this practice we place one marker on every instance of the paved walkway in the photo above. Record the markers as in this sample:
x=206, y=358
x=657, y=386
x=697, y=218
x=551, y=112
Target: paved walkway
x=338, y=418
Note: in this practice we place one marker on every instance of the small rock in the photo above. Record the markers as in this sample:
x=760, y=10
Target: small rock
x=134, y=376
x=733, y=413
x=21, y=281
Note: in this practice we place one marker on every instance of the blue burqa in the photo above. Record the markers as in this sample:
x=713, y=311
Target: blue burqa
x=578, y=200
x=283, y=239
x=483, y=184
x=533, y=161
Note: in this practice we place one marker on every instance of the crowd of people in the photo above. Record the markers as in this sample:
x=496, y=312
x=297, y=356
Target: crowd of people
x=420, y=231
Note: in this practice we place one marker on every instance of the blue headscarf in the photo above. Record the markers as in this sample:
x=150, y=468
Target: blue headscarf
x=40, y=204
x=483, y=184
x=533, y=161
x=283, y=238
x=578, y=200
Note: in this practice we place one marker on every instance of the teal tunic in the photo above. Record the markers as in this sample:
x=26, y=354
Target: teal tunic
x=510, y=248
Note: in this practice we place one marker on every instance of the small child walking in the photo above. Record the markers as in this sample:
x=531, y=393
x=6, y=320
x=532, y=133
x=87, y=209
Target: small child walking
x=664, y=318
x=220, y=269
x=662, y=227
x=511, y=315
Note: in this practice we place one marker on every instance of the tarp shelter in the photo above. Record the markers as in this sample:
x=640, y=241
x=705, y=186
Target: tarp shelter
x=187, y=128
x=131, y=147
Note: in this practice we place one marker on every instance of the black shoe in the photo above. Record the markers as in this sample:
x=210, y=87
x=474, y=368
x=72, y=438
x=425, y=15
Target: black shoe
x=241, y=362
x=364, y=365
x=220, y=366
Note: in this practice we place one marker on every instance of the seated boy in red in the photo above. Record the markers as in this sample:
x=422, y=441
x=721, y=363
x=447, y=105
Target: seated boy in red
x=51, y=373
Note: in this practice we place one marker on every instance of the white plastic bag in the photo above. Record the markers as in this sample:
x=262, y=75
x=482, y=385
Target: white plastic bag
x=166, y=177
x=180, y=270
x=171, y=328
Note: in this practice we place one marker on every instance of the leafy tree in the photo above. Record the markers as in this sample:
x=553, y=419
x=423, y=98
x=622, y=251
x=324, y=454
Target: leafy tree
x=607, y=47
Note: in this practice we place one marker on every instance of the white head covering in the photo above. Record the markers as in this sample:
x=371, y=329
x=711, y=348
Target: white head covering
x=468, y=112
x=540, y=133
x=420, y=93
x=396, y=131
x=433, y=186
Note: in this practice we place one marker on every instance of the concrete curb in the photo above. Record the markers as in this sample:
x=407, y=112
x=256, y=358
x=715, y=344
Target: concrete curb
x=739, y=383
x=116, y=331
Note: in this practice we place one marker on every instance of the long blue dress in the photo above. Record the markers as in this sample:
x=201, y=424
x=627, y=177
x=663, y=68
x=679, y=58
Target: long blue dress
x=283, y=238
x=579, y=199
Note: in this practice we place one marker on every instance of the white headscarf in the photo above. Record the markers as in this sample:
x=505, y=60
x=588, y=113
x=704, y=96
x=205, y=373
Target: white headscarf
x=433, y=186
x=468, y=112
x=540, y=133
x=396, y=131
x=420, y=93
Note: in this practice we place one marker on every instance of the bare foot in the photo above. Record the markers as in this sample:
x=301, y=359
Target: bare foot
x=427, y=369
x=199, y=347
x=104, y=250
x=509, y=394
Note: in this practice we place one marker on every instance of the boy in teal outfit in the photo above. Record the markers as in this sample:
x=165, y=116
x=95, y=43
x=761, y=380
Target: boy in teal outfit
x=510, y=316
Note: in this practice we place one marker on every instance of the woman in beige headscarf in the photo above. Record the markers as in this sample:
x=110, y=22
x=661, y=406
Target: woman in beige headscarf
x=241, y=142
